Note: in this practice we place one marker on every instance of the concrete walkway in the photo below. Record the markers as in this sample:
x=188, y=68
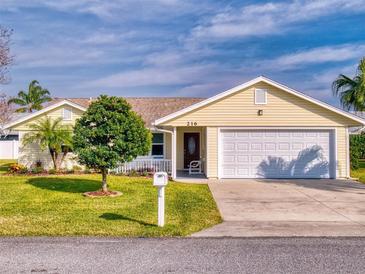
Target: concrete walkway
x=256, y=208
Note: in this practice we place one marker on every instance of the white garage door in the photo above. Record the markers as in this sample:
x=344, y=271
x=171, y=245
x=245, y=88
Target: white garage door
x=276, y=154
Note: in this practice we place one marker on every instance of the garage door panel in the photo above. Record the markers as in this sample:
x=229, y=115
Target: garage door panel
x=276, y=154
x=243, y=146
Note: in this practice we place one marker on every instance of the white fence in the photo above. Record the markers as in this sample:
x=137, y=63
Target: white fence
x=145, y=165
x=9, y=149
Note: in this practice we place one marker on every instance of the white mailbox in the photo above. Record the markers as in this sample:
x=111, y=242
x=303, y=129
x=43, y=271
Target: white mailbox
x=160, y=180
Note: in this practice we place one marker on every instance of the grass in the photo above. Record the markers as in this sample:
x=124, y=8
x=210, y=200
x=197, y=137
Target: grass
x=54, y=206
x=4, y=165
x=360, y=172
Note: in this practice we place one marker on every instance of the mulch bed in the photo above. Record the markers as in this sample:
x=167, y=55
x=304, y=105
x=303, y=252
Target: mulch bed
x=100, y=193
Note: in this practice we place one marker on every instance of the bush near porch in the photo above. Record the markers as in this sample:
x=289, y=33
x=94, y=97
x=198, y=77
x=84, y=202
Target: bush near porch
x=360, y=172
x=54, y=206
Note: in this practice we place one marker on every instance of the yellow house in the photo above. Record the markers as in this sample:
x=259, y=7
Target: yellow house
x=260, y=129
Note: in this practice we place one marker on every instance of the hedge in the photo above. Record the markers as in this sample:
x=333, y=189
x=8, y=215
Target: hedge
x=357, y=149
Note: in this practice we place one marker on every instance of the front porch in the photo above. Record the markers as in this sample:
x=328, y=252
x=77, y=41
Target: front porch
x=181, y=146
x=183, y=176
x=187, y=144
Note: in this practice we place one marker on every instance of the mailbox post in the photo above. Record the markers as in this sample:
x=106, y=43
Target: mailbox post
x=160, y=180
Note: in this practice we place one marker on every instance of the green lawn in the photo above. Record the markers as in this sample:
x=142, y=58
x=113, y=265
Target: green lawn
x=359, y=173
x=54, y=205
x=4, y=165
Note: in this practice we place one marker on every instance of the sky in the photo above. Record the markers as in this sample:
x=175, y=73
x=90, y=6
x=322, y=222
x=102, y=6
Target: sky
x=181, y=47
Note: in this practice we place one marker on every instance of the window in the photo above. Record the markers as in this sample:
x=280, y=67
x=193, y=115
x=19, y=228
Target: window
x=157, y=145
x=67, y=114
x=260, y=96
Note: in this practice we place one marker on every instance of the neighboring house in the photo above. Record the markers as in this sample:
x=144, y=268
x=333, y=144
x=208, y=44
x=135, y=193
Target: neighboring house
x=260, y=129
x=9, y=140
x=9, y=146
x=358, y=130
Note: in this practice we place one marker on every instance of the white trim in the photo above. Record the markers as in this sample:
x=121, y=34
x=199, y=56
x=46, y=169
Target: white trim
x=173, y=153
x=282, y=127
x=219, y=150
x=250, y=83
x=260, y=89
x=35, y=114
x=163, y=146
x=333, y=173
x=206, y=153
x=348, y=168
x=335, y=153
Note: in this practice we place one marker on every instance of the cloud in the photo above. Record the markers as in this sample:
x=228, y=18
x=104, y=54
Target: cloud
x=319, y=55
x=154, y=76
x=269, y=18
x=116, y=9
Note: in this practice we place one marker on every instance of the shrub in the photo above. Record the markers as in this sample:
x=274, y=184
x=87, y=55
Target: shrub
x=357, y=149
x=76, y=168
x=17, y=168
x=52, y=171
x=38, y=163
x=133, y=173
x=144, y=173
x=87, y=171
x=37, y=170
x=70, y=171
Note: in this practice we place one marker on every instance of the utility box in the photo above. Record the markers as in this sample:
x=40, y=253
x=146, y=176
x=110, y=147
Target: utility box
x=160, y=179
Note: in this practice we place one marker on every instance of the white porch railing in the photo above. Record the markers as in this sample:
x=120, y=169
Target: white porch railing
x=145, y=165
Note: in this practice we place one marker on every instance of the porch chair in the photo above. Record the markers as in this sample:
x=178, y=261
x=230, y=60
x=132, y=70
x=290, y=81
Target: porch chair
x=195, y=167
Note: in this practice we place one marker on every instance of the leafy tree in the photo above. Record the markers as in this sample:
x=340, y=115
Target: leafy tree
x=351, y=90
x=6, y=112
x=6, y=59
x=31, y=100
x=357, y=149
x=52, y=135
x=109, y=133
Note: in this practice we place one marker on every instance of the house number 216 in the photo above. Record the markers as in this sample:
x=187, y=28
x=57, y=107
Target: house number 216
x=190, y=124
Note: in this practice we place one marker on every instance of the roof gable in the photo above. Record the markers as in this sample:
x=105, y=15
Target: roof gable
x=257, y=80
x=149, y=108
x=42, y=111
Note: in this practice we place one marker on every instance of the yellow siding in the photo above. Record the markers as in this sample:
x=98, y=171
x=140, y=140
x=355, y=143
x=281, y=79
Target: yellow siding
x=212, y=152
x=282, y=109
x=54, y=114
x=342, y=153
x=167, y=144
x=30, y=154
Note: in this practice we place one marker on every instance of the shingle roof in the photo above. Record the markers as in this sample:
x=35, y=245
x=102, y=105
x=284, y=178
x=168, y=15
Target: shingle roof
x=150, y=108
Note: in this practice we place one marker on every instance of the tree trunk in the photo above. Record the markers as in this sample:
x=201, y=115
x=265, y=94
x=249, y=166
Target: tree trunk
x=54, y=158
x=104, y=185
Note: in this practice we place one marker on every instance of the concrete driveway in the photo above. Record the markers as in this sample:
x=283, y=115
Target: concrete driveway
x=253, y=208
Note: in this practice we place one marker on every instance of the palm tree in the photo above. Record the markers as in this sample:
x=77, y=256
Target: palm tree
x=52, y=135
x=351, y=90
x=32, y=100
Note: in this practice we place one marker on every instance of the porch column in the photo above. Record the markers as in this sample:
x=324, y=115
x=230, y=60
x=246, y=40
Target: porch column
x=173, y=154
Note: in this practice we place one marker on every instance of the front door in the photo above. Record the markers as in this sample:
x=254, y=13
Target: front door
x=191, y=147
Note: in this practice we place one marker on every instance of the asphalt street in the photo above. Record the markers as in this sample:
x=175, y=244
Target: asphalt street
x=182, y=255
